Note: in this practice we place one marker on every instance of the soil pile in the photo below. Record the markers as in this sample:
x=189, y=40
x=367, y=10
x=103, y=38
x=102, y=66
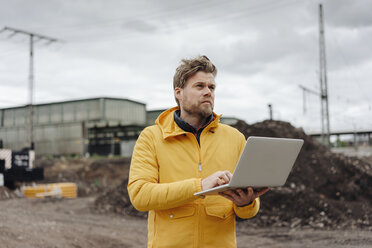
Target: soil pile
x=92, y=176
x=324, y=189
x=117, y=201
x=368, y=159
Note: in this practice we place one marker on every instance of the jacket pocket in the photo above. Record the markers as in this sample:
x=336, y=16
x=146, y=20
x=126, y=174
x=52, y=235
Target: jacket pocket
x=219, y=226
x=177, y=213
x=175, y=227
x=219, y=211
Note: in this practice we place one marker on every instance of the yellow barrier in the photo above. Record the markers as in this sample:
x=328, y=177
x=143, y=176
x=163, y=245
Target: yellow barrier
x=66, y=190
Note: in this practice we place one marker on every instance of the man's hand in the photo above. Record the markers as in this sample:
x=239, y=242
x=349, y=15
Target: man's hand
x=216, y=179
x=242, y=198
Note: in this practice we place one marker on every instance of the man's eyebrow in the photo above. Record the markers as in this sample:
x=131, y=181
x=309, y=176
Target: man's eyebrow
x=202, y=82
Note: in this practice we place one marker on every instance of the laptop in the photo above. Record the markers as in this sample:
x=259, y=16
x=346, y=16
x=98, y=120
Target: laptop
x=264, y=162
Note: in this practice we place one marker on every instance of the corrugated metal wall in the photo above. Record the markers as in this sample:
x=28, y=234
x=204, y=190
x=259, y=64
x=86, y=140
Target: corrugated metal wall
x=127, y=113
x=59, y=128
x=13, y=138
x=152, y=115
x=54, y=113
x=63, y=138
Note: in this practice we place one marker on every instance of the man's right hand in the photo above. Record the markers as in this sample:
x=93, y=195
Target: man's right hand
x=216, y=179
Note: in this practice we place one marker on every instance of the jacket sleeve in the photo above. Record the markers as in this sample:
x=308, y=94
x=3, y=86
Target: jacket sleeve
x=144, y=190
x=249, y=211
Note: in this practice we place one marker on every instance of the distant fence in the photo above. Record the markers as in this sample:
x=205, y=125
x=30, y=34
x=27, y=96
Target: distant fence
x=362, y=151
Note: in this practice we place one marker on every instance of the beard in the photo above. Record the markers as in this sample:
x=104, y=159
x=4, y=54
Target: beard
x=198, y=109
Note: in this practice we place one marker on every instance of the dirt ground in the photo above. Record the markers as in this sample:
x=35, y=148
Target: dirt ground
x=62, y=223
x=326, y=202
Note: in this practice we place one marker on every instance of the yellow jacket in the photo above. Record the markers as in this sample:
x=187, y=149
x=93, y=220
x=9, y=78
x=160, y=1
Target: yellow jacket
x=166, y=170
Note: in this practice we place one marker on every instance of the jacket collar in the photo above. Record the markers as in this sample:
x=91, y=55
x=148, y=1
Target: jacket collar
x=186, y=126
x=170, y=128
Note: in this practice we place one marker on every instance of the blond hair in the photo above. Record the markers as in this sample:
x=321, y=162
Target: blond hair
x=189, y=67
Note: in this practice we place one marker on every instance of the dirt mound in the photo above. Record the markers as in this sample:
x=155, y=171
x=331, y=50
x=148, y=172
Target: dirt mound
x=117, y=201
x=323, y=190
x=368, y=159
x=92, y=176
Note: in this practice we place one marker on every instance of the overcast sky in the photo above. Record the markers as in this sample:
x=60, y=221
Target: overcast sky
x=130, y=49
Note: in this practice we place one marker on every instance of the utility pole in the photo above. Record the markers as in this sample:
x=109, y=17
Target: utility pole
x=33, y=38
x=323, y=82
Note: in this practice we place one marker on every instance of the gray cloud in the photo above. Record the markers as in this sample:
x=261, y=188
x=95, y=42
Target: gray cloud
x=263, y=50
x=349, y=14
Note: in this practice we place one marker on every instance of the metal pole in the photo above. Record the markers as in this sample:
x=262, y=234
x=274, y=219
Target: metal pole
x=304, y=101
x=31, y=92
x=30, y=136
x=355, y=138
x=270, y=111
x=323, y=82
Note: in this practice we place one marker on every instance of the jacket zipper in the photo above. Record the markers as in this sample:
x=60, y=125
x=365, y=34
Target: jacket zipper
x=197, y=240
x=200, y=168
x=199, y=209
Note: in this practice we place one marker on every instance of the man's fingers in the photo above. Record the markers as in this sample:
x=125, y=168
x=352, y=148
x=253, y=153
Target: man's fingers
x=226, y=196
x=228, y=174
x=250, y=191
x=232, y=194
x=241, y=193
x=216, y=179
x=225, y=176
x=261, y=192
x=220, y=182
x=243, y=197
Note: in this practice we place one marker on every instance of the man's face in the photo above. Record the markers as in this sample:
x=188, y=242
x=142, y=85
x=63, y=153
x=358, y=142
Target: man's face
x=197, y=97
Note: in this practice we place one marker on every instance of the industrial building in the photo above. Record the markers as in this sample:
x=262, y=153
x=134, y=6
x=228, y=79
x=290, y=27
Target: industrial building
x=96, y=126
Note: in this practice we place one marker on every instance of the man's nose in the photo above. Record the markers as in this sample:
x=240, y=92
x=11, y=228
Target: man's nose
x=207, y=91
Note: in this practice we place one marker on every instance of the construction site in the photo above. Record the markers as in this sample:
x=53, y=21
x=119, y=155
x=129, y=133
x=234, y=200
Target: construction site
x=325, y=202
x=64, y=164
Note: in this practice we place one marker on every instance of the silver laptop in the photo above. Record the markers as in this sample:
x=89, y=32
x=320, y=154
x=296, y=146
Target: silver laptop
x=264, y=162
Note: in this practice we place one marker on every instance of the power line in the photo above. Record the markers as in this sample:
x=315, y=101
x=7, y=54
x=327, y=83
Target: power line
x=147, y=14
x=304, y=91
x=190, y=22
x=352, y=73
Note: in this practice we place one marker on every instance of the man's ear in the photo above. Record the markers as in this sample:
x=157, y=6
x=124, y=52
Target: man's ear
x=178, y=93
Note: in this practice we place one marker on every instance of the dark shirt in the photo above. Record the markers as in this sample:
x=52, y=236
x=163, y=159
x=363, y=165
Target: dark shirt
x=189, y=128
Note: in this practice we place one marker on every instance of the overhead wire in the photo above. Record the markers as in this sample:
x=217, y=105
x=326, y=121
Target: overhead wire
x=212, y=21
x=197, y=20
x=147, y=14
x=351, y=72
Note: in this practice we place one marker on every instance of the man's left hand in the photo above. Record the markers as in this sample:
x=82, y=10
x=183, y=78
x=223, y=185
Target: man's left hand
x=241, y=197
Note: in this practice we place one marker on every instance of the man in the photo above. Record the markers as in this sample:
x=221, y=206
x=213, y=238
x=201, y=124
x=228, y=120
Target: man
x=187, y=151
